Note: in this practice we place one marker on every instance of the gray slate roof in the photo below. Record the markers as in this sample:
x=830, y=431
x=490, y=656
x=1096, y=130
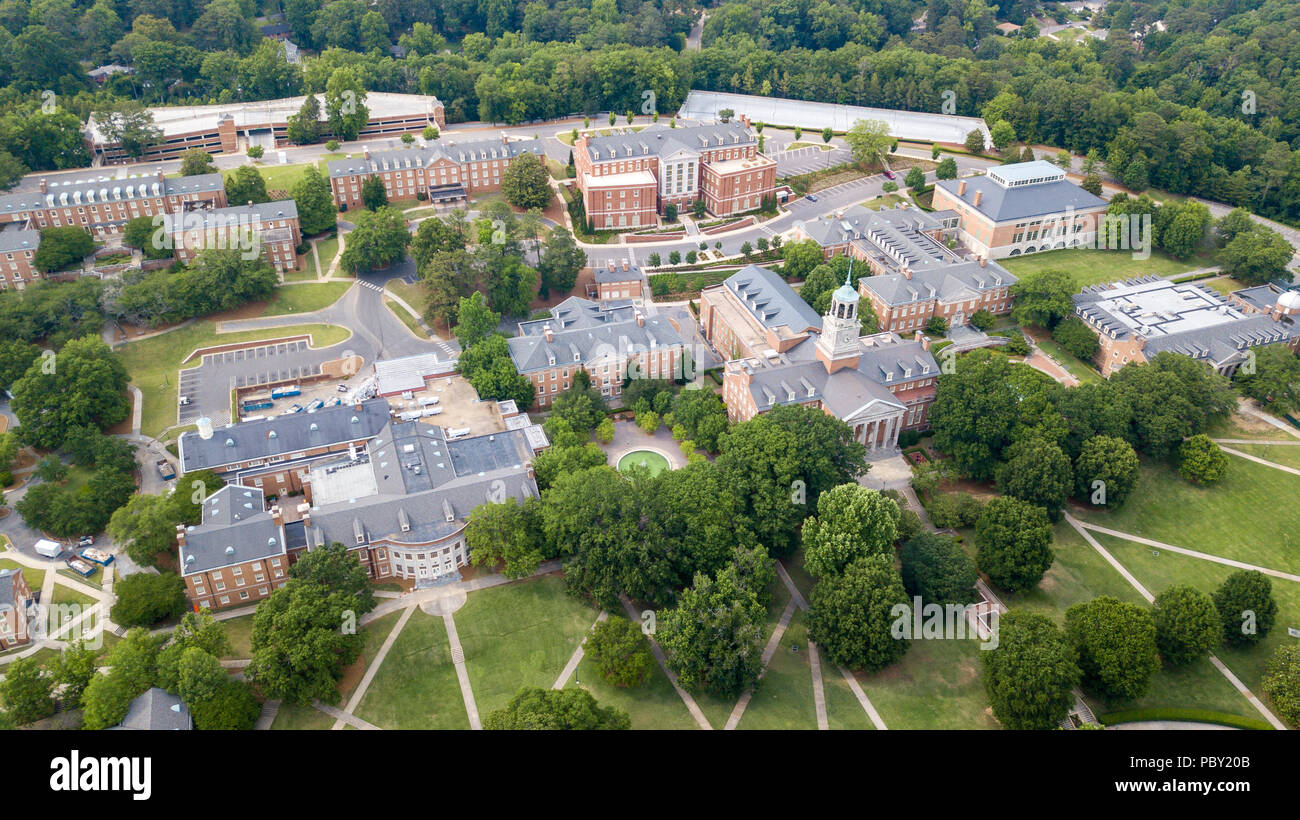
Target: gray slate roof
x=771, y=300
x=235, y=528
x=292, y=433
x=1023, y=202
x=456, y=151
x=234, y=215
x=584, y=330
x=109, y=190
x=660, y=140
x=953, y=283
x=156, y=710
x=15, y=238
x=8, y=580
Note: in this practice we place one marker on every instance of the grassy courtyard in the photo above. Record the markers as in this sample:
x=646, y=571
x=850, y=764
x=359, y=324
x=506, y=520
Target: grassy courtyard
x=1284, y=454
x=937, y=685
x=305, y=298
x=784, y=698
x=239, y=631
x=1090, y=267
x=652, y=705
x=519, y=635
x=153, y=363
x=1239, y=518
x=416, y=686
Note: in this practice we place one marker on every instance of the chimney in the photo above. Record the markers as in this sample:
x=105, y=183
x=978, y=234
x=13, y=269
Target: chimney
x=277, y=517
x=45, y=186
x=305, y=511
x=250, y=203
x=640, y=319
x=180, y=534
x=610, y=263
x=984, y=260
x=978, y=196
x=548, y=333
x=624, y=264
x=961, y=188
x=504, y=140
x=365, y=151
x=923, y=339
x=528, y=469
x=907, y=272
x=357, y=406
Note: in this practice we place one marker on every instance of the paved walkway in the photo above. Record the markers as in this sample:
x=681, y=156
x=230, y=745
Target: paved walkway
x=819, y=690
x=462, y=675
x=1205, y=556
x=629, y=438
x=269, y=710
x=768, y=651
x=1258, y=460
x=334, y=711
x=576, y=657
x=1264, y=441
x=372, y=666
x=1248, y=407
x=691, y=705
x=1082, y=529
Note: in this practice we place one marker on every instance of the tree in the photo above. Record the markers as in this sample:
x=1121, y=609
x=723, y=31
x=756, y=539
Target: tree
x=974, y=413
x=27, y=691
x=87, y=386
x=1013, y=543
x=1274, y=381
x=255, y=151
x=713, y=638
x=246, y=186
x=1077, y=338
x=827, y=134
x=337, y=570
x=475, y=320
x=936, y=326
x=1187, y=624
x=1031, y=675
x=195, y=162
x=505, y=533
x=61, y=248
x=1256, y=256
x=852, y=522
x=620, y=651
x=555, y=709
x=974, y=141
x=800, y=258
x=1116, y=642
x=144, y=599
x=852, y=615
x=946, y=169
x=526, y=183
x=373, y=194
x=130, y=125
x=1091, y=183
x=915, y=178
x=305, y=126
x=1246, y=607
x=561, y=262
x=936, y=569
x=345, y=107
x=1281, y=683
x=1043, y=298
x=379, y=240
x=231, y=706
x=299, y=652
x=1201, y=461
x=316, y=211
x=869, y=140
x=698, y=210
x=1003, y=136
x=1112, y=462
x=74, y=669
x=1039, y=472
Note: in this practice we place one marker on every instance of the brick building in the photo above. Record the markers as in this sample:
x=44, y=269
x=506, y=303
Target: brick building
x=627, y=179
x=18, y=244
x=442, y=170
x=1138, y=318
x=399, y=502
x=272, y=225
x=880, y=384
x=104, y=205
x=611, y=342
x=1022, y=208
x=234, y=127
x=15, y=603
x=617, y=280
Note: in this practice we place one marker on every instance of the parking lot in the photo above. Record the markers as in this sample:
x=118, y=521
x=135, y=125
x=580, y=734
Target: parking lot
x=809, y=158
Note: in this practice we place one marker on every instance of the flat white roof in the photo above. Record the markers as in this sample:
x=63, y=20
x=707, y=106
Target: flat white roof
x=1163, y=308
x=919, y=125
x=183, y=119
x=620, y=180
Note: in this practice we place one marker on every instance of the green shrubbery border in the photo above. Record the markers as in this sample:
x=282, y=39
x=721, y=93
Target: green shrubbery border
x=1195, y=715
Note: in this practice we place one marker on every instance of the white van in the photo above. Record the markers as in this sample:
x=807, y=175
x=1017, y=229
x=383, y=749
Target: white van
x=48, y=548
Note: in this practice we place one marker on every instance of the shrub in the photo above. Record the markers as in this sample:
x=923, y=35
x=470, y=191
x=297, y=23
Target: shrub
x=1201, y=461
x=1282, y=683
x=1246, y=607
x=1116, y=642
x=1187, y=624
x=936, y=568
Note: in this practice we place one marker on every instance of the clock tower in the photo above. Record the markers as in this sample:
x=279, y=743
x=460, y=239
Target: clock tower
x=838, y=347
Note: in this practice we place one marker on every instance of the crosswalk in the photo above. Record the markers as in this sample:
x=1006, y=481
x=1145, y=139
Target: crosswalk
x=372, y=286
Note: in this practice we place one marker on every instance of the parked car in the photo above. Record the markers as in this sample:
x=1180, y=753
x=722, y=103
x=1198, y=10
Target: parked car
x=342, y=388
x=86, y=541
x=889, y=174
x=811, y=197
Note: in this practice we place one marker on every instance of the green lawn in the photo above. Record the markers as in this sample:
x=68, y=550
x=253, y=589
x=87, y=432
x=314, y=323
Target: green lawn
x=153, y=362
x=412, y=324
x=652, y=705
x=34, y=577
x=937, y=685
x=1232, y=427
x=1090, y=267
x=239, y=631
x=1158, y=572
x=294, y=717
x=796, y=145
x=883, y=201
x=68, y=595
x=784, y=698
x=519, y=635
x=374, y=633
x=1248, y=516
x=416, y=687
x=1286, y=455
x=1081, y=370
x=843, y=711
x=305, y=298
